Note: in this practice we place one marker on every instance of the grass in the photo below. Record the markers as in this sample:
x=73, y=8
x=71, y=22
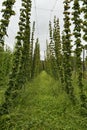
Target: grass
x=43, y=105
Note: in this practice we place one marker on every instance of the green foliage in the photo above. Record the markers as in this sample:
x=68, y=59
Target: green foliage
x=42, y=104
x=67, y=52
x=36, y=60
x=58, y=48
x=56, y=37
x=84, y=9
x=5, y=66
x=24, y=23
x=77, y=34
x=12, y=83
x=47, y=59
x=20, y=68
x=31, y=48
x=51, y=59
x=7, y=12
x=1, y=67
x=45, y=101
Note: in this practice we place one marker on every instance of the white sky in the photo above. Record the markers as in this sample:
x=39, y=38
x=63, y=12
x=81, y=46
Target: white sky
x=44, y=11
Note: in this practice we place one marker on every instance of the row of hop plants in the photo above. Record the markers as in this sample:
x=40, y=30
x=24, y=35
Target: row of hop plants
x=59, y=53
x=25, y=59
x=58, y=61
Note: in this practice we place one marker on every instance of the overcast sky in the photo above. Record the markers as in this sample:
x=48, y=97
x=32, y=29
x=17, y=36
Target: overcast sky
x=44, y=11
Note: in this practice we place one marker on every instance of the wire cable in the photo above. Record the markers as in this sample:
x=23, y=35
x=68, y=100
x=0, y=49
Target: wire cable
x=51, y=12
x=44, y=9
x=36, y=18
x=53, y=8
